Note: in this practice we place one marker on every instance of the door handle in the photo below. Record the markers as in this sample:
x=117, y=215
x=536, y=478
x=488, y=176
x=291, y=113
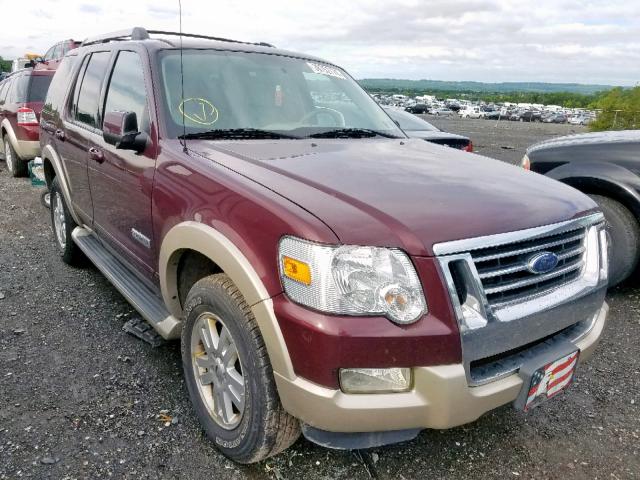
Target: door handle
x=96, y=154
x=60, y=135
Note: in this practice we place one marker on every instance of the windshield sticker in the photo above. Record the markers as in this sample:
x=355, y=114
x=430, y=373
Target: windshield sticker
x=199, y=110
x=326, y=70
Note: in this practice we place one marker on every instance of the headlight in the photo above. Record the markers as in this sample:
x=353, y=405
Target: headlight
x=525, y=163
x=351, y=280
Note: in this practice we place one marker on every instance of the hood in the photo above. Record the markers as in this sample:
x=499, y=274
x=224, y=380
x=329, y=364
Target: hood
x=618, y=136
x=434, y=135
x=404, y=193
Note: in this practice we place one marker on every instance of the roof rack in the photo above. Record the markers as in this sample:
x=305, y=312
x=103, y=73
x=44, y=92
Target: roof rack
x=135, y=33
x=140, y=33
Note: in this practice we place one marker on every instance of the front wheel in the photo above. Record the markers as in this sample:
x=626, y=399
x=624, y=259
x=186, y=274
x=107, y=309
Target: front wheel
x=229, y=376
x=624, y=233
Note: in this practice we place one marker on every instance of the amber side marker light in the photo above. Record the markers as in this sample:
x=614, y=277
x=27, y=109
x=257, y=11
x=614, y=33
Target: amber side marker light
x=296, y=270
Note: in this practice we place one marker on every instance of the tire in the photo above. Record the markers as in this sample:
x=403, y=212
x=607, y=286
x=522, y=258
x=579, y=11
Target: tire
x=15, y=165
x=45, y=198
x=63, y=224
x=624, y=235
x=257, y=427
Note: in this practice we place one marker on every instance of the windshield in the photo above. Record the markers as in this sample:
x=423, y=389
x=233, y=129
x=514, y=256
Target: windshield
x=409, y=121
x=227, y=92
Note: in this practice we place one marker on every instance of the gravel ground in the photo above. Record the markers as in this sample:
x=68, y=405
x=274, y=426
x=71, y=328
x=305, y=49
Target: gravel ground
x=79, y=398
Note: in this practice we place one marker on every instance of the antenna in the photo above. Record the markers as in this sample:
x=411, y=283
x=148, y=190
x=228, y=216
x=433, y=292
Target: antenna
x=184, y=127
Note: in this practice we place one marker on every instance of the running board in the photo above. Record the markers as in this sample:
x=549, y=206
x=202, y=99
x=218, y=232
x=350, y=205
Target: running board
x=145, y=301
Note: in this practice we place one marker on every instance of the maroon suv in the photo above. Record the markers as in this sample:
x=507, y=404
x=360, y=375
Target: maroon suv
x=21, y=98
x=55, y=54
x=325, y=273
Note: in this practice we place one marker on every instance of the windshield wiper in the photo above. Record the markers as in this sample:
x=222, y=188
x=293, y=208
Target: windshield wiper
x=236, y=134
x=352, y=133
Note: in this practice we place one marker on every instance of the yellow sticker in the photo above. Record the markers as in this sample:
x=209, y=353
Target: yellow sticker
x=201, y=111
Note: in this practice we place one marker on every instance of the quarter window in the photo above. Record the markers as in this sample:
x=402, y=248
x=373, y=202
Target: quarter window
x=127, y=92
x=86, y=110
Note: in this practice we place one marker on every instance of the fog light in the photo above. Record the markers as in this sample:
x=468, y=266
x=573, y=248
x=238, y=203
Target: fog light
x=375, y=380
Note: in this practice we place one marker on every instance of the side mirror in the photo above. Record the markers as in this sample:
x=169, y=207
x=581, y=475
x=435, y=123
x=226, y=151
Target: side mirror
x=120, y=129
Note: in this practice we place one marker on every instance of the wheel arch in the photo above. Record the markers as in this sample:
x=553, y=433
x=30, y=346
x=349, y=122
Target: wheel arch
x=7, y=130
x=600, y=178
x=606, y=188
x=191, y=238
x=54, y=168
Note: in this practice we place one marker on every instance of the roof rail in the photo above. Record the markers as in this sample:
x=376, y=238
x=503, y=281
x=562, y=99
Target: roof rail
x=140, y=33
x=135, y=33
x=219, y=39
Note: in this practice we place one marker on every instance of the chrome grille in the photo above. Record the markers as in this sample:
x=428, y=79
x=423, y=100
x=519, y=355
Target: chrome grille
x=503, y=270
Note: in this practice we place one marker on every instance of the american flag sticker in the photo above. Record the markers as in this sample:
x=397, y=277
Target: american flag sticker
x=551, y=379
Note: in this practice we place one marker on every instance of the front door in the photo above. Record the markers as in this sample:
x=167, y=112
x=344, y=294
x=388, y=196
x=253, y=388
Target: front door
x=121, y=180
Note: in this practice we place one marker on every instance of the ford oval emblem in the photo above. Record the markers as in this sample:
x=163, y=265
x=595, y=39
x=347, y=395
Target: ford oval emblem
x=542, y=262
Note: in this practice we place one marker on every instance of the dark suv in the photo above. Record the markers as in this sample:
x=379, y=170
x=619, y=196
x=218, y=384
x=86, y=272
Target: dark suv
x=605, y=166
x=21, y=98
x=325, y=273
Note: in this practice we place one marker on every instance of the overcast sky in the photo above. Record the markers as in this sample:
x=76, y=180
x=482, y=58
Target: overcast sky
x=483, y=40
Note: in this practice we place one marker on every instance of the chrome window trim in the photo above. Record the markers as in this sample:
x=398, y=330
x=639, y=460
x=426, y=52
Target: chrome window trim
x=476, y=243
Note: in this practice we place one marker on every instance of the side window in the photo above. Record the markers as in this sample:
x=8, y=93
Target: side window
x=59, y=84
x=3, y=90
x=49, y=54
x=127, y=91
x=86, y=109
x=57, y=51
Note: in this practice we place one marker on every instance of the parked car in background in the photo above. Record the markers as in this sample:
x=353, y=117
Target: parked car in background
x=326, y=274
x=606, y=166
x=579, y=120
x=416, y=127
x=471, y=112
x=441, y=111
x=21, y=98
x=555, y=118
x=54, y=55
x=492, y=115
x=418, y=108
x=525, y=116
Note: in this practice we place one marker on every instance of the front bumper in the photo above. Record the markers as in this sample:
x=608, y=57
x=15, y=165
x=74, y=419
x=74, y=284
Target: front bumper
x=441, y=397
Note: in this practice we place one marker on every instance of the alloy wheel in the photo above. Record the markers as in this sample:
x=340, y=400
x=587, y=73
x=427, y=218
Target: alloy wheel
x=8, y=155
x=59, y=221
x=217, y=370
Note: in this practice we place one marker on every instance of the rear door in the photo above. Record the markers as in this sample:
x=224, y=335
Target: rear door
x=81, y=126
x=121, y=180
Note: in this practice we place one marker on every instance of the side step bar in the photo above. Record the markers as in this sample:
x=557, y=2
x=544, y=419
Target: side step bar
x=145, y=301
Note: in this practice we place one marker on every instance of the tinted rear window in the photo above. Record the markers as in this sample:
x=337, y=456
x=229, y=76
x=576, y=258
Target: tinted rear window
x=38, y=88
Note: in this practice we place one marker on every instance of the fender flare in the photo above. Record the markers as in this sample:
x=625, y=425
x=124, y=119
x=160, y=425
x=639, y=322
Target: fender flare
x=206, y=240
x=50, y=155
x=6, y=125
x=603, y=178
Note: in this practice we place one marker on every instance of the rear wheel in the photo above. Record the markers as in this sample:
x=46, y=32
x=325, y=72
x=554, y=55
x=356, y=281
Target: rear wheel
x=16, y=166
x=624, y=234
x=229, y=376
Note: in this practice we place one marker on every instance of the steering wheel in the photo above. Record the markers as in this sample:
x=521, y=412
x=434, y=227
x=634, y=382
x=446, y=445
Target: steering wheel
x=337, y=116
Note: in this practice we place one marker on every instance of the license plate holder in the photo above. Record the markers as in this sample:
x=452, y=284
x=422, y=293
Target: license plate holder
x=546, y=376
